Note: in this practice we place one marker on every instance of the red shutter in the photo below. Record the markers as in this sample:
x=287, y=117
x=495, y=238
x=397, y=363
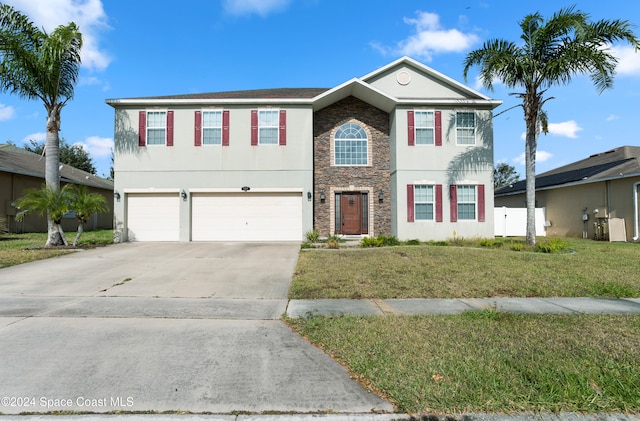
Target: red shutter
x=254, y=127
x=438, y=123
x=438, y=202
x=283, y=128
x=169, y=128
x=225, y=128
x=142, y=128
x=481, y=216
x=197, y=135
x=453, y=201
x=411, y=134
x=410, y=203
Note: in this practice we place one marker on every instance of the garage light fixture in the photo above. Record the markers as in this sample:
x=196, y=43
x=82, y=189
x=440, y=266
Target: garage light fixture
x=183, y=194
x=116, y=195
x=309, y=196
x=380, y=196
x=322, y=196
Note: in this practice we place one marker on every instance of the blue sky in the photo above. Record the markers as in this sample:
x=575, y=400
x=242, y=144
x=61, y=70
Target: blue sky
x=147, y=48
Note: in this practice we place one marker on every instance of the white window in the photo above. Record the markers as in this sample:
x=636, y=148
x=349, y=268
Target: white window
x=351, y=146
x=268, y=125
x=465, y=128
x=212, y=127
x=424, y=199
x=424, y=126
x=156, y=127
x=466, y=202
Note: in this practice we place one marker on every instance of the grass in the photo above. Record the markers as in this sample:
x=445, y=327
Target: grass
x=489, y=361
x=16, y=249
x=471, y=269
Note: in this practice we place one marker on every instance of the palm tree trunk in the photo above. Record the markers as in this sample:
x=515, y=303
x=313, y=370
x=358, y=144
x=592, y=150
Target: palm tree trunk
x=52, y=171
x=78, y=234
x=530, y=174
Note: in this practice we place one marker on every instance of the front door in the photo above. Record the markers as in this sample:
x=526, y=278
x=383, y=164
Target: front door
x=351, y=209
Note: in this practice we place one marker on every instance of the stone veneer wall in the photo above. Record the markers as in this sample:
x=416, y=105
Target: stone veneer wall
x=373, y=178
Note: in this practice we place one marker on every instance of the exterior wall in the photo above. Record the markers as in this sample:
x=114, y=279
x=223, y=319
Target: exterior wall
x=12, y=187
x=445, y=165
x=184, y=166
x=373, y=178
x=613, y=199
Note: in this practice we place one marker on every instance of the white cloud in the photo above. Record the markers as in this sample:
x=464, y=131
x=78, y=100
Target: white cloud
x=7, y=112
x=38, y=137
x=97, y=146
x=89, y=15
x=629, y=60
x=612, y=117
x=431, y=38
x=260, y=7
x=541, y=156
x=566, y=129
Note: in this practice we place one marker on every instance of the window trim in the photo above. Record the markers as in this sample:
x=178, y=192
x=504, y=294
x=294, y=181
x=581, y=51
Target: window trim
x=416, y=127
x=460, y=202
x=148, y=127
x=475, y=128
x=366, y=139
x=432, y=203
x=276, y=127
x=203, y=127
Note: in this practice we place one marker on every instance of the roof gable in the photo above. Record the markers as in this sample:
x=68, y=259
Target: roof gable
x=406, y=78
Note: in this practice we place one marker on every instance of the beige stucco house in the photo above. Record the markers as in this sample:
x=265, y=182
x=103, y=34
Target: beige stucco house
x=21, y=170
x=379, y=154
x=582, y=197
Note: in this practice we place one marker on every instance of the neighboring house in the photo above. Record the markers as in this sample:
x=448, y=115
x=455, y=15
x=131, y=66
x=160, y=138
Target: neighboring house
x=581, y=197
x=21, y=169
x=381, y=154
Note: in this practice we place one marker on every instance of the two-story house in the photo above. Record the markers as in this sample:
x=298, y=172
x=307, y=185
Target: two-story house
x=404, y=150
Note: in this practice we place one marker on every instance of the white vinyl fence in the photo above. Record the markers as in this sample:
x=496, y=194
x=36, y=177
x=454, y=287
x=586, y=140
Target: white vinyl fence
x=512, y=222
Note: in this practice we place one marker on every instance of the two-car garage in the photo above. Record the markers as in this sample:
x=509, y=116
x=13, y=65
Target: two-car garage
x=215, y=216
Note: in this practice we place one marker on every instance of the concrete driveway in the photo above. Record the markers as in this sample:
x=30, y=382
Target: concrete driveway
x=163, y=327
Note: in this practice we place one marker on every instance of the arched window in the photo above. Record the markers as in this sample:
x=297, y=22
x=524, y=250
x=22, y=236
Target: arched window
x=351, y=145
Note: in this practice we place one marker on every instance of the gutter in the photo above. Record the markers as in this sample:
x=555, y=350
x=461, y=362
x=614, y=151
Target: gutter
x=635, y=211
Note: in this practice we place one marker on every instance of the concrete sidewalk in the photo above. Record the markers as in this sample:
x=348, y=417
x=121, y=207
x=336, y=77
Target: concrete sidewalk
x=580, y=305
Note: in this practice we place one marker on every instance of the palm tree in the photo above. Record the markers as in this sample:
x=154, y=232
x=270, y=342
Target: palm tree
x=54, y=203
x=40, y=66
x=552, y=53
x=85, y=204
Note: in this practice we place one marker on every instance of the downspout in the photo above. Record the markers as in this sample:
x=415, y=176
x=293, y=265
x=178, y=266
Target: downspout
x=635, y=211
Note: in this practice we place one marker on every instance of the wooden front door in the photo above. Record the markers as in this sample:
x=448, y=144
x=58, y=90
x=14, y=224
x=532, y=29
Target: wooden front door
x=351, y=209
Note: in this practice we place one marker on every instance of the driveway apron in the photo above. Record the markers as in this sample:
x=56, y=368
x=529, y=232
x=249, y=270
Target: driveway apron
x=163, y=327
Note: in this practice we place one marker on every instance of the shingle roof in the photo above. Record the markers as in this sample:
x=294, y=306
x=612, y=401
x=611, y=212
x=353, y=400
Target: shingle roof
x=19, y=161
x=616, y=163
x=278, y=93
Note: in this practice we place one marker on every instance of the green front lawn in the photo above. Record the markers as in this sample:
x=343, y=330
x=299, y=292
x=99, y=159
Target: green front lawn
x=584, y=268
x=22, y=248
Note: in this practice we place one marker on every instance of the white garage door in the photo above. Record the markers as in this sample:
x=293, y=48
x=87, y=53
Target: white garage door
x=246, y=217
x=153, y=217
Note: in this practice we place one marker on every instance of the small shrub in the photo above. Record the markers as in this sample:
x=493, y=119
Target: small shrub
x=388, y=240
x=517, y=247
x=486, y=242
x=553, y=246
x=312, y=236
x=333, y=243
x=306, y=245
x=371, y=242
x=413, y=242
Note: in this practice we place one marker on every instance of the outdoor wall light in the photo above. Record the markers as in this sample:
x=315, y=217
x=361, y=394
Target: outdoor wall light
x=381, y=196
x=246, y=188
x=309, y=196
x=322, y=196
x=116, y=195
x=183, y=194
